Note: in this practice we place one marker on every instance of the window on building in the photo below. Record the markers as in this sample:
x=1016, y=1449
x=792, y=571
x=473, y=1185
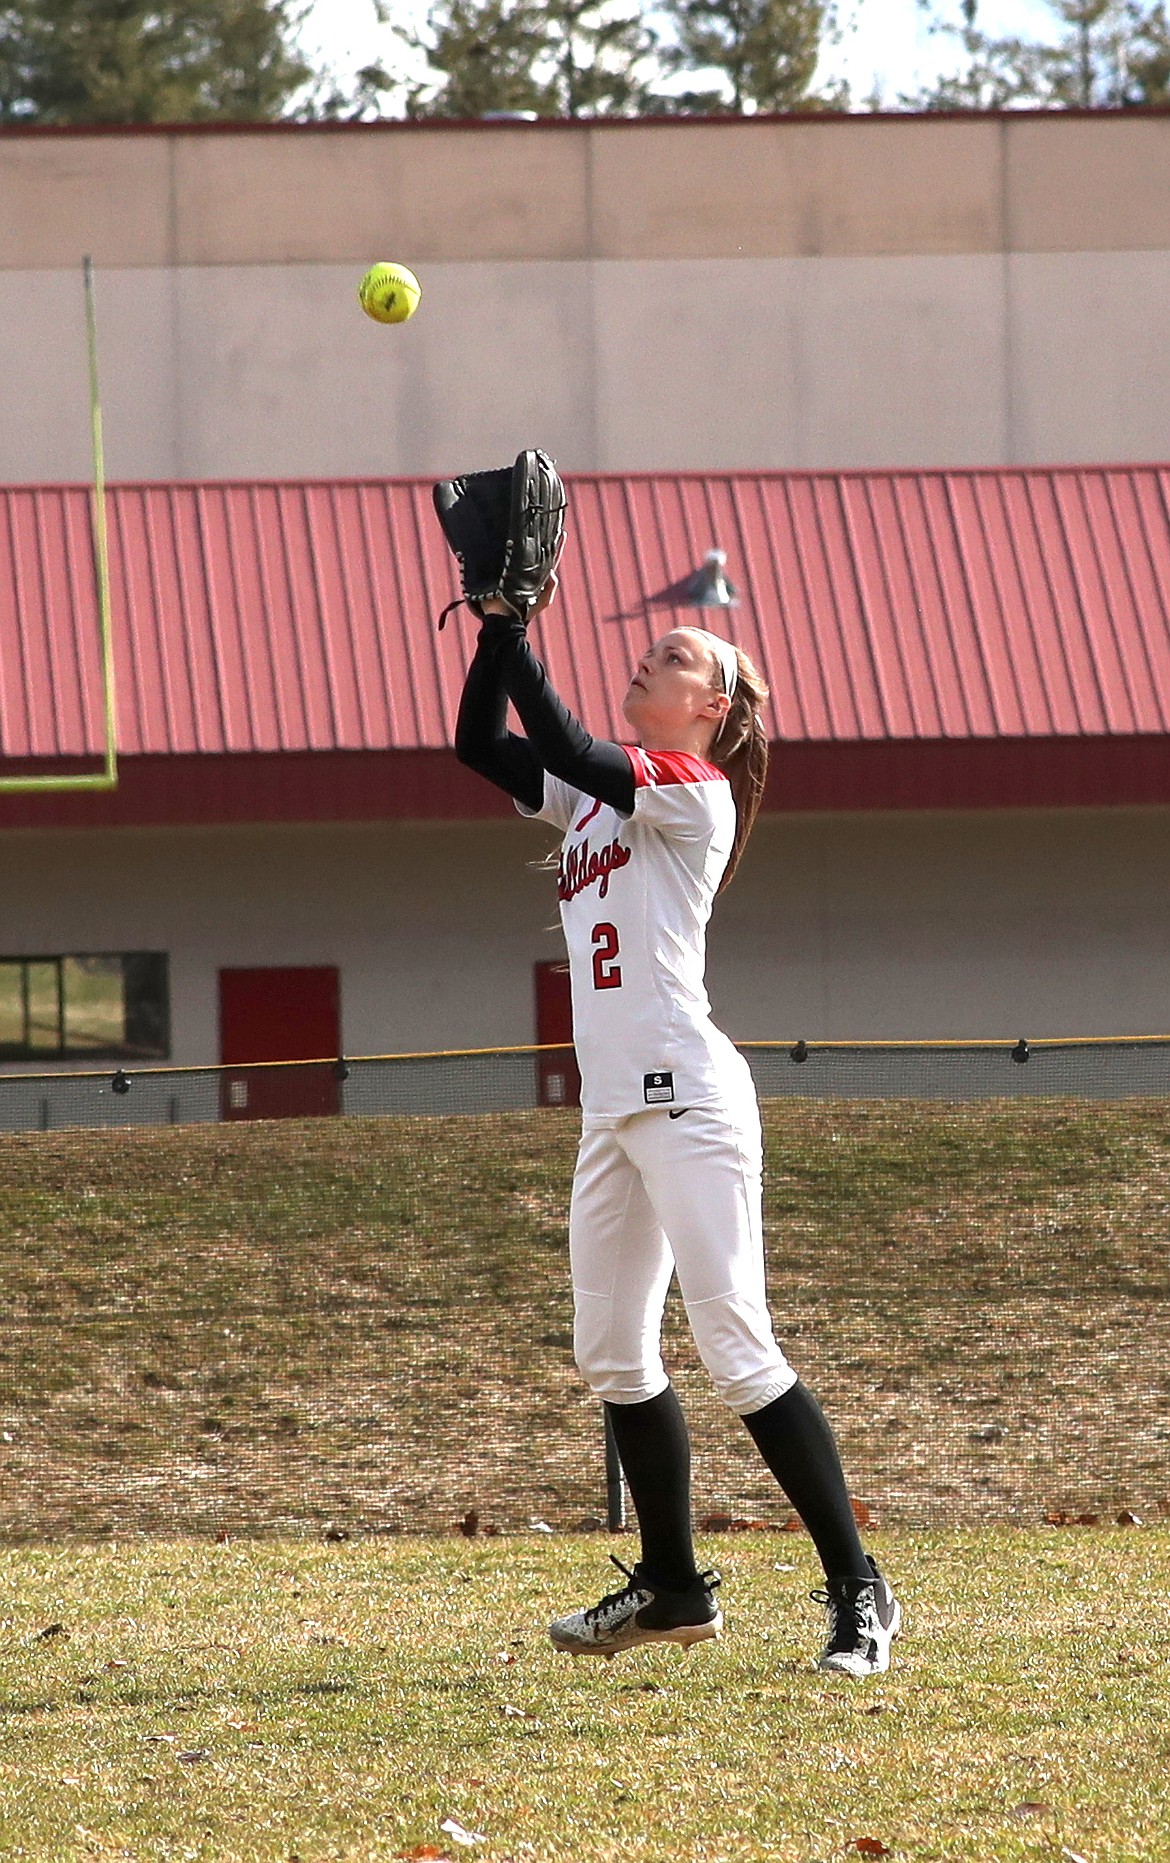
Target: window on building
x=98, y=1005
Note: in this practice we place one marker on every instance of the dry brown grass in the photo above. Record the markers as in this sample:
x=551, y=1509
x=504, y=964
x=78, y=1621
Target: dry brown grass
x=366, y=1321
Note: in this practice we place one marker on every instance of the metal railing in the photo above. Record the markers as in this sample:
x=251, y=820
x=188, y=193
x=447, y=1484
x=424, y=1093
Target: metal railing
x=511, y=1079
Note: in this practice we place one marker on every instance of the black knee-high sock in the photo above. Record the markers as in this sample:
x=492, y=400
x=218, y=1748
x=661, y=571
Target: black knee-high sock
x=794, y=1438
x=655, y=1453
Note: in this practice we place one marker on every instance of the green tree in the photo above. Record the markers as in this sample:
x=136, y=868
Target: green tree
x=147, y=61
x=1148, y=57
x=604, y=61
x=1104, y=54
x=485, y=52
x=568, y=58
x=767, y=51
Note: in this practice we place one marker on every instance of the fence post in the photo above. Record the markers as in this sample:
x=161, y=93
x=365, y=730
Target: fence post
x=615, y=1493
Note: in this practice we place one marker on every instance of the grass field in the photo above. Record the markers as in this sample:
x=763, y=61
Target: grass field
x=272, y=1701
x=366, y=1320
x=262, y=1330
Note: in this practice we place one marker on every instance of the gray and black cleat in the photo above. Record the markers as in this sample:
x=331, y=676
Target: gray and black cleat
x=641, y=1612
x=863, y=1617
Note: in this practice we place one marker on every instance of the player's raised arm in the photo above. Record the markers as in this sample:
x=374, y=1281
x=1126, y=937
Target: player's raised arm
x=562, y=744
x=482, y=739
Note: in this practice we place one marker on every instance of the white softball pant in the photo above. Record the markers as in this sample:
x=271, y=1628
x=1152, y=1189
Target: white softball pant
x=654, y=1194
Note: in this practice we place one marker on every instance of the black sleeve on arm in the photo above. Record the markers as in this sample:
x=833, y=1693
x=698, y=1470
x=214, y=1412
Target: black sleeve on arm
x=565, y=749
x=482, y=739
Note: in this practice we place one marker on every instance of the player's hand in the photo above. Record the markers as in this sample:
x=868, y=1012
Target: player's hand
x=547, y=595
x=494, y=607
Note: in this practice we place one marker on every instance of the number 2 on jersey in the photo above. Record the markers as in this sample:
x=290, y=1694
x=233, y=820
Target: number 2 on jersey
x=607, y=972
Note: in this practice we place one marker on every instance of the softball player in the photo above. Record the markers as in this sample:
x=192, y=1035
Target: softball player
x=668, y=1175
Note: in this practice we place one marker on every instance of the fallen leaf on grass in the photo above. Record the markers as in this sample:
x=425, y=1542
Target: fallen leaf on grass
x=1072, y=1856
x=50, y=1630
x=117, y=1662
x=516, y=1714
x=1126, y=1519
x=191, y=1756
x=469, y=1525
x=863, y=1513
x=1031, y=1808
x=458, y=1835
x=871, y=1847
x=425, y=1853
x=505, y=1656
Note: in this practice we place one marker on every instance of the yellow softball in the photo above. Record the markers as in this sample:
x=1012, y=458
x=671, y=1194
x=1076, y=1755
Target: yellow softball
x=389, y=293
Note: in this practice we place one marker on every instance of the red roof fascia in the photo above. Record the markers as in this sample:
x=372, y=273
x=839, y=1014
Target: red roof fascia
x=355, y=786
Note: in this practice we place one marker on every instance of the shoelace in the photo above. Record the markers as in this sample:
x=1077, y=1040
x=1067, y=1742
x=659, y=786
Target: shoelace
x=636, y=1585
x=847, y=1615
x=604, y=1605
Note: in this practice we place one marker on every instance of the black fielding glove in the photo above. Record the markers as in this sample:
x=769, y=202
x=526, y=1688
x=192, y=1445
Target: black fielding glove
x=505, y=529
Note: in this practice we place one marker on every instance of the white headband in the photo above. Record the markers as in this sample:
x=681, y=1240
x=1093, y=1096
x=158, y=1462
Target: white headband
x=727, y=657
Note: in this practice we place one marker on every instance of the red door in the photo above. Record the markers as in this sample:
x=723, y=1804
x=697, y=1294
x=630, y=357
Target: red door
x=289, y=1014
x=558, y=1082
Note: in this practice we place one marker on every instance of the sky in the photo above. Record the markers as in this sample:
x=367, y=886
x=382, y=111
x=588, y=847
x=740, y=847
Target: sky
x=886, y=43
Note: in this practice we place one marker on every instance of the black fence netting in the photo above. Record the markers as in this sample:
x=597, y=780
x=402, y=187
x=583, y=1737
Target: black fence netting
x=334, y=1295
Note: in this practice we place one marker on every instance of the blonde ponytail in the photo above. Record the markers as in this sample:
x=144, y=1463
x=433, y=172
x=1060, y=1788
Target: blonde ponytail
x=740, y=747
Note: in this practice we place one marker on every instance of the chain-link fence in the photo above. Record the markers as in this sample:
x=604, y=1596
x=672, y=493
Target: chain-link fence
x=227, y=1312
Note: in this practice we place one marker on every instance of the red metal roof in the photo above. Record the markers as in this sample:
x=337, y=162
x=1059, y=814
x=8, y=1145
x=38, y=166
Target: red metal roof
x=881, y=607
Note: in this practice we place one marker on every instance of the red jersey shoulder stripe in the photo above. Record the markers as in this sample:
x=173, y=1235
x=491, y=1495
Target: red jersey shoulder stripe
x=658, y=767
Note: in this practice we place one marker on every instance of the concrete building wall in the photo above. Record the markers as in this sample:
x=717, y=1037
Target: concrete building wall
x=901, y=926
x=806, y=293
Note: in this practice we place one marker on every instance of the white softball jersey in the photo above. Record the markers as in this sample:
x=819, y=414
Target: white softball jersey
x=635, y=897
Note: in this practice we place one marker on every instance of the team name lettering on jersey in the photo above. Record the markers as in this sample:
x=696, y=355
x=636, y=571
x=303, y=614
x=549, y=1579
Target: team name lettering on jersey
x=580, y=868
